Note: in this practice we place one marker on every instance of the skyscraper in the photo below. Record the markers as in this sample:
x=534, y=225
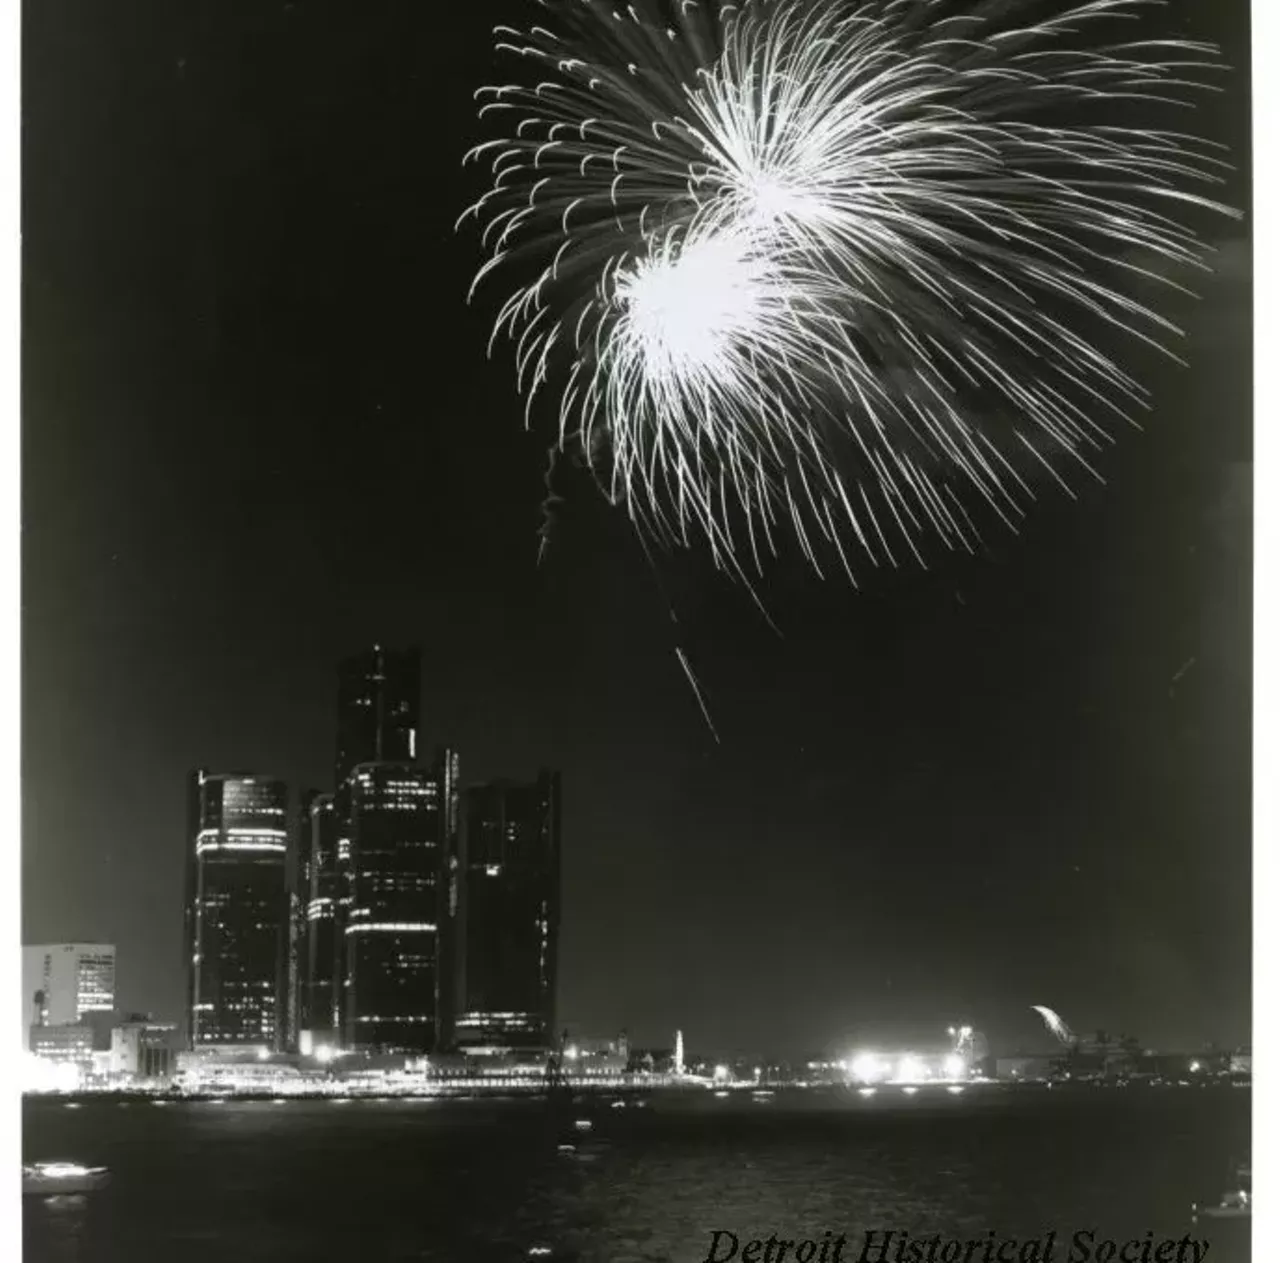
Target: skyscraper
x=320, y=959
x=237, y=910
x=379, y=709
x=390, y=864
x=448, y=772
x=296, y=932
x=510, y=914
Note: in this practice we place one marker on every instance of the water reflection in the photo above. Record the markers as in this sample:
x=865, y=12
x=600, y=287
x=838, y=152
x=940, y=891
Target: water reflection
x=56, y=1229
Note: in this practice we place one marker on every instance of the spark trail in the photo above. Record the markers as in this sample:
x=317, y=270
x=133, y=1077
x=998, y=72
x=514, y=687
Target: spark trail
x=549, y=502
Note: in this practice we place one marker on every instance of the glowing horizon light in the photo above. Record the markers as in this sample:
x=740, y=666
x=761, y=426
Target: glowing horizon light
x=868, y=1068
x=955, y=1088
x=803, y=267
x=44, y=1074
x=910, y=1090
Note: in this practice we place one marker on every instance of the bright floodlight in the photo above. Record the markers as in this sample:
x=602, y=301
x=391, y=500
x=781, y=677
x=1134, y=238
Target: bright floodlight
x=911, y=1069
x=43, y=1074
x=324, y=1053
x=954, y=1066
x=721, y=1074
x=867, y=1068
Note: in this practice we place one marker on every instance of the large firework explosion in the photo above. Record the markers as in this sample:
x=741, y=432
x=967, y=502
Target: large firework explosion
x=822, y=267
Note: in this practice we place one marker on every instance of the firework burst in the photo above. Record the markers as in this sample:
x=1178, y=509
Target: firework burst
x=835, y=269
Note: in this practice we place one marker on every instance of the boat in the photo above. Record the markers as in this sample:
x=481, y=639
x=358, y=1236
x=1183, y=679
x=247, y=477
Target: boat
x=61, y=1179
x=1235, y=1203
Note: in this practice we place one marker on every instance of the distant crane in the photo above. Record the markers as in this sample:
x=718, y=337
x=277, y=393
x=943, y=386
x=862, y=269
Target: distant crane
x=554, y=1080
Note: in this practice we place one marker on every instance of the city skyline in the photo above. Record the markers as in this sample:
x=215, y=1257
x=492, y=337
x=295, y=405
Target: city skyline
x=1015, y=778
x=352, y=937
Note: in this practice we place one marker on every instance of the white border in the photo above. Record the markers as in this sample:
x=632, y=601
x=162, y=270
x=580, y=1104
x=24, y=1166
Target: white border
x=10, y=606
x=1266, y=822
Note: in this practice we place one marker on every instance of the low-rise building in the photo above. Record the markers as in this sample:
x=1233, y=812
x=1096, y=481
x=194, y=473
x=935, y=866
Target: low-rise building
x=142, y=1049
x=1028, y=1066
x=68, y=1042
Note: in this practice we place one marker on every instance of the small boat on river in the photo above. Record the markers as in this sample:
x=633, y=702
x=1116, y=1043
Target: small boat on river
x=61, y=1179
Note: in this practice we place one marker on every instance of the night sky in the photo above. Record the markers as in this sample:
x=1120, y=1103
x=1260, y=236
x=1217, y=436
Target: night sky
x=261, y=432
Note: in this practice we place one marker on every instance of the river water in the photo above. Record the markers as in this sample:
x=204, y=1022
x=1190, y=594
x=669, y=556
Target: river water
x=381, y=1181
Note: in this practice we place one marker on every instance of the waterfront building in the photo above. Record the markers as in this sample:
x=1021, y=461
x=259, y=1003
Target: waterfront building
x=379, y=709
x=389, y=856
x=1032, y=1066
x=510, y=915
x=67, y=984
x=320, y=958
x=237, y=911
x=143, y=1049
x=592, y=1058
x=447, y=768
x=71, y=1043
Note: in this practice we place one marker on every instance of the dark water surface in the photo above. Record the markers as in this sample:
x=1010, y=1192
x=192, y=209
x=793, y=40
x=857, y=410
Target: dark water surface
x=369, y=1181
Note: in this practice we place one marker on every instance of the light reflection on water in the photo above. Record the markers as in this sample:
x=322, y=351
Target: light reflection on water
x=485, y=1181
x=63, y=1227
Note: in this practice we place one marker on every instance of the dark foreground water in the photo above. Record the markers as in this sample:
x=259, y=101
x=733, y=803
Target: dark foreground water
x=374, y=1182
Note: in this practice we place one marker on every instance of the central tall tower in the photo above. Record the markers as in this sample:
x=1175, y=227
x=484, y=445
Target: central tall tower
x=380, y=888
x=390, y=865
x=379, y=709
